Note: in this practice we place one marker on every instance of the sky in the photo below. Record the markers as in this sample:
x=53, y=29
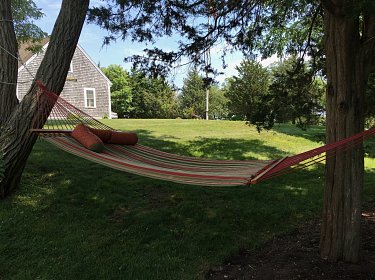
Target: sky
x=91, y=40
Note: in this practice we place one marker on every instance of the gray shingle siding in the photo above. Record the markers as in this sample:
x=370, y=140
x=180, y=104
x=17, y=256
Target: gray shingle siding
x=84, y=75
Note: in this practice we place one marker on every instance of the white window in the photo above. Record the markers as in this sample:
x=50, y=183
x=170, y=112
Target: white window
x=90, y=98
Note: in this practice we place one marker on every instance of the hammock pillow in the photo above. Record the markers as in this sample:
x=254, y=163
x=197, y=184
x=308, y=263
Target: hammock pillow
x=103, y=134
x=123, y=138
x=86, y=138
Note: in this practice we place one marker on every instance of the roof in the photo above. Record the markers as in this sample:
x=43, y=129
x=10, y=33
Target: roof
x=26, y=55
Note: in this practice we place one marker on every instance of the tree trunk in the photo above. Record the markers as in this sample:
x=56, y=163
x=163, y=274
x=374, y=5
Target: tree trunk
x=8, y=62
x=16, y=140
x=347, y=74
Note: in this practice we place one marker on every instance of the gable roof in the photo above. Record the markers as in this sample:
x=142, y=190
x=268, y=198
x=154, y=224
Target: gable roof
x=26, y=56
x=94, y=64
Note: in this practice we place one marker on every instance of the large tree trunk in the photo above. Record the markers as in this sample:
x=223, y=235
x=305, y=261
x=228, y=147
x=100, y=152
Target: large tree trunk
x=16, y=140
x=8, y=62
x=347, y=74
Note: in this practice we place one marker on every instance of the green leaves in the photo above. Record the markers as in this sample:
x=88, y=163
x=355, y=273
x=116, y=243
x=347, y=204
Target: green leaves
x=24, y=12
x=193, y=98
x=193, y=95
x=218, y=108
x=296, y=94
x=121, y=94
x=137, y=96
x=287, y=93
x=248, y=95
x=152, y=97
x=252, y=26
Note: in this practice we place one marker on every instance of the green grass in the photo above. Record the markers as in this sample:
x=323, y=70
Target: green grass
x=73, y=219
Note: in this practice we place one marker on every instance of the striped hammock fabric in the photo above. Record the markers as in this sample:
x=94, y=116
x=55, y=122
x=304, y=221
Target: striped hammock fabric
x=156, y=164
x=55, y=118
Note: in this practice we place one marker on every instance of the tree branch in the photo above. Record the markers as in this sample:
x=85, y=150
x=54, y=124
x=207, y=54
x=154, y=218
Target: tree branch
x=317, y=11
x=192, y=5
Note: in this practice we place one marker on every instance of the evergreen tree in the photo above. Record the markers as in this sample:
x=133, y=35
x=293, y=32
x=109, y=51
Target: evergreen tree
x=218, y=106
x=193, y=95
x=121, y=94
x=296, y=95
x=165, y=99
x=152, y=97
x=248, y=95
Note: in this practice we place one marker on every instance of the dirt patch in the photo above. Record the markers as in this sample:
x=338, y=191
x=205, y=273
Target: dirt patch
x=296, y=256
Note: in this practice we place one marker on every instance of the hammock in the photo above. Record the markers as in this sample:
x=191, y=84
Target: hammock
x=60, y=118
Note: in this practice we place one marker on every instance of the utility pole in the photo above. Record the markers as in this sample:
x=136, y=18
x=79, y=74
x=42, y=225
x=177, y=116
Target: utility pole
x=208, y=63
x=207, y=98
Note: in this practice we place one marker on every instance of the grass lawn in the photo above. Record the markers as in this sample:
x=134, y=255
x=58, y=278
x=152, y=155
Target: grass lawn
x=73, y=219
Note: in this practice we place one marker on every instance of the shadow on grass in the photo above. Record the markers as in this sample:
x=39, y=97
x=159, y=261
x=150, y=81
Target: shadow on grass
x=234, y=149
x=317, y=134
x=69, y=211
x=217, y=148
x=313, y=133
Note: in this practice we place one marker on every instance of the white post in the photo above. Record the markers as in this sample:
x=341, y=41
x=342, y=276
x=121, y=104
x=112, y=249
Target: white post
x=207, y=101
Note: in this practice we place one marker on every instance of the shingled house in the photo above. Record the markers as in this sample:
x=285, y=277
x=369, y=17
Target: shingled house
x=86, y=86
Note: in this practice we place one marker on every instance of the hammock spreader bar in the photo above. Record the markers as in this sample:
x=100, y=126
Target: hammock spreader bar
x=60, y=117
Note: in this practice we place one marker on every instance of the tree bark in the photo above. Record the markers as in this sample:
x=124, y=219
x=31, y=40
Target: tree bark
x=347, y=75
x=16, y=140
x=8, y=62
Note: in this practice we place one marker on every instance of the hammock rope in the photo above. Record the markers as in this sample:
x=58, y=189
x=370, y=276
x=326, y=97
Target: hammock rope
x=60, y=117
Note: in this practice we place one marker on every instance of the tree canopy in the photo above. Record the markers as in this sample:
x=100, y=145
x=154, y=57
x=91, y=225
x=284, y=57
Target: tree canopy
x=252, y=26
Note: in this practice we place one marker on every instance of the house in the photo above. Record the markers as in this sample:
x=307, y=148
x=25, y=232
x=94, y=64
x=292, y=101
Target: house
x=86, y=86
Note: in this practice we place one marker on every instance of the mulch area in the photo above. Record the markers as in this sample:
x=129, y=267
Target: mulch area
x=296, y=256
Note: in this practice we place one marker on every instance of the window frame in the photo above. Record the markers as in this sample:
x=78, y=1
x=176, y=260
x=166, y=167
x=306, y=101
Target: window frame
x=85, y=96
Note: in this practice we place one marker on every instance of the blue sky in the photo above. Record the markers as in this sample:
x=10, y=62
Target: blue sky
x=92, y=37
